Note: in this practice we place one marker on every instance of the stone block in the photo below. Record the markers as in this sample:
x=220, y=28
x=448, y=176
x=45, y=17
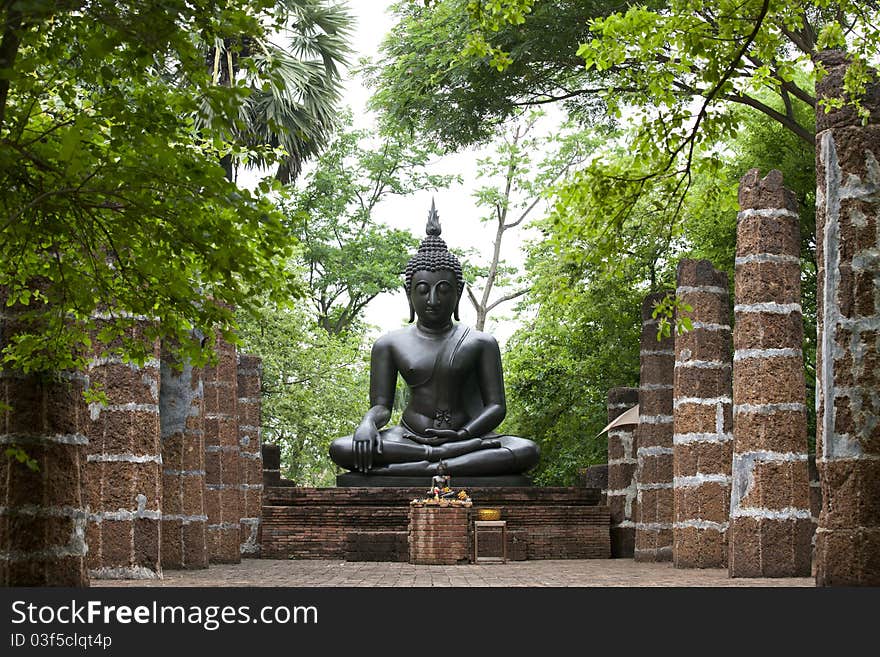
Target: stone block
x=621, y=476
x=756, y=192
x=193, y=492
x=768, y=282
x=656, y=368
x=654, y=434
x=701, y=418
x=703, y=344
x=778, y=485
x=779, y=431
x=768, y=330
x=703, y=458
x=656, y=402
x=656, y=469
x=146, y=533
x=769, y=380
x=770, y=235
x=850, y=493
x=627, y=397
x=116, y=545
x=699, y=548
x=710, y=501
x=702, y=382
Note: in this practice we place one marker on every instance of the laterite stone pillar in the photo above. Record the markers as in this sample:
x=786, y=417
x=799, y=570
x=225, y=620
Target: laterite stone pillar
x=43, y=513
x=250, y=374
x=184, y=523
x=124, y=466
x=271, y=455
x=622, y=464
x=848, y=368
x=703, y=440
x=653, y=535
x=770, y=526
x=224, y=498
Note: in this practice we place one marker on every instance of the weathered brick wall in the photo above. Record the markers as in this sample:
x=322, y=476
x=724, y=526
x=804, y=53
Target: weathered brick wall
x=184, y=523
x=848, y=368
x=376, y=546
x=770, y=527
x=703, y=440
x=438, y=535
x=622, y=464
x=123, y=467
x=317, y=523
x=224, y=497
x=250, y=373
x=653, y=535
x=43, y=513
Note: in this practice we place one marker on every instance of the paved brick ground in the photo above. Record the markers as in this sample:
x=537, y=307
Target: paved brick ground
x=553, y=573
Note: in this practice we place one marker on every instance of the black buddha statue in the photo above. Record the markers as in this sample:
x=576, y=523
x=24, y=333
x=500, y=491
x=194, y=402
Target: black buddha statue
x=454, y=376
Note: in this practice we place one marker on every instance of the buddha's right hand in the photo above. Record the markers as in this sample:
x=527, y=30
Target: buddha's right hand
x=366, y=436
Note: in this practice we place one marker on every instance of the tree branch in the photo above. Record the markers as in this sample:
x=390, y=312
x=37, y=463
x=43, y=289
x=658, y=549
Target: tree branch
x=805, y=135
x=474, y=302
x=506, y=297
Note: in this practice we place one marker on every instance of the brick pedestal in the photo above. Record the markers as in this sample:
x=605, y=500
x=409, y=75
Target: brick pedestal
x=703, y=440
x=438, y=535
x=848, y=367
x=184, y=523
x=124, y=465
x=770, y=526
x=337, y=523
x=224, y=497
x=250, y=374
x=653, y=535
x=42, y=513
x=622, y=464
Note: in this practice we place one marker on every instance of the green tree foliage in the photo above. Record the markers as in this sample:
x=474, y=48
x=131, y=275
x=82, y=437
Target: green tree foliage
x=583, y=340
x=673, y=71
x=350, y=255
x=678, y=70
x=114, y=208
x=315, y=387
x=293, y=80
x=434, y=77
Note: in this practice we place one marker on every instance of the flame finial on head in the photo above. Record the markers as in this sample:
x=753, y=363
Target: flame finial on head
x=433, y=255
x=433, y=227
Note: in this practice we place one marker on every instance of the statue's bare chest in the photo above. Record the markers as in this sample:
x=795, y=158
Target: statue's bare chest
x=427, y=359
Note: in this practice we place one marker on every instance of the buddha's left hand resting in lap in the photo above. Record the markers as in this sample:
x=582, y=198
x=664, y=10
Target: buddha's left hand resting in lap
x=455, y=380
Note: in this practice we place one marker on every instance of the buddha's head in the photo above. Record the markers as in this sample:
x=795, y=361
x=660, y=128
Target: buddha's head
x=433, y=278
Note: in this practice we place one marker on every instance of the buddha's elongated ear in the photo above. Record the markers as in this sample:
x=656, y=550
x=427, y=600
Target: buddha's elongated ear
x=412, y=311
x=455, y=312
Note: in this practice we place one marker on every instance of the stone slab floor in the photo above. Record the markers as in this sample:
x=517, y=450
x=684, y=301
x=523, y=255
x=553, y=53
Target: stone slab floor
x=544, y=573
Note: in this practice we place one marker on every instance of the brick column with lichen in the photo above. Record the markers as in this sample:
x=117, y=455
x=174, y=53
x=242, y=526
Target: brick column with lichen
x=771, y=529
x=653, y=535
x=848, y=363
x=703, y=440
x=622, y=463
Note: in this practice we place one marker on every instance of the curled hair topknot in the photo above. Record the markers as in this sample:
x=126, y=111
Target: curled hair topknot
x=433, y=254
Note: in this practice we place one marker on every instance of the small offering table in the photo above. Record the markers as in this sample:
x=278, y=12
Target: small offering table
x=492, y=525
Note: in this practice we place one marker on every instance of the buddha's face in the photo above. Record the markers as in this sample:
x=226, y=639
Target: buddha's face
x=434, y=295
